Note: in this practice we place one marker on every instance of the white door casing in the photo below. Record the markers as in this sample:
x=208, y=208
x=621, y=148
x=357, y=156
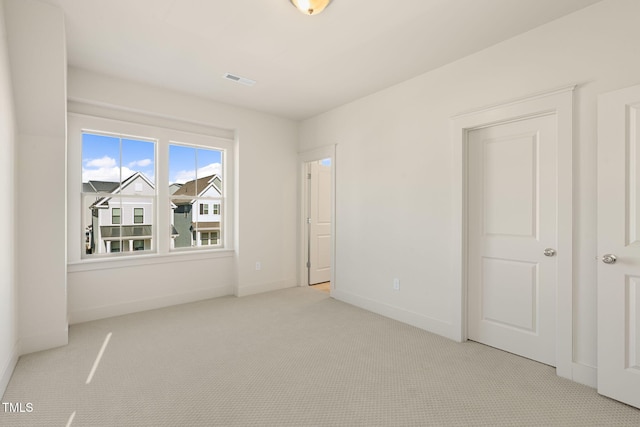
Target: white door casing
x=511, y=222
x=619, y=235
x=320, y=221
x=559, y=103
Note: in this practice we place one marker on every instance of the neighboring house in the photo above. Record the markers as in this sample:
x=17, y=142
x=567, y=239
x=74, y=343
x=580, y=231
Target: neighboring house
x=88, y=202
x=122, y=222
x=197, y=212
x=174, y=187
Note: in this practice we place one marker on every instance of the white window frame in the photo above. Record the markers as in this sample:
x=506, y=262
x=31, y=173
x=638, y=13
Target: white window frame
x=134, y=215
x=162, y=250
x=119, y=216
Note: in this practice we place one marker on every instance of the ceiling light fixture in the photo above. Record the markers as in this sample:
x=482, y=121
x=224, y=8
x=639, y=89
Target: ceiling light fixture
x=310, y=7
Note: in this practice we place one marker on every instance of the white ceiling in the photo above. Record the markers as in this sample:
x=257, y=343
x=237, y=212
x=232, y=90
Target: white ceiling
x=303, y=65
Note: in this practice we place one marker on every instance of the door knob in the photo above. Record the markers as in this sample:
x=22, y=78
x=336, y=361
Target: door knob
x=549, y=252
x=609, y=258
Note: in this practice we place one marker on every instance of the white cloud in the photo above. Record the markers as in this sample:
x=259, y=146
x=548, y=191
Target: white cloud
x=183, y=176
x=105, y=162
x=141, y=163
x=110, y=174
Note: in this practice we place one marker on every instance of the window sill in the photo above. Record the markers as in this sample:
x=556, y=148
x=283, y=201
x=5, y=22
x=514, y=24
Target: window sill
x=146, y=259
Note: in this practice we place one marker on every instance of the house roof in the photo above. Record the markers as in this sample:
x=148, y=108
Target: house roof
x=199, y=186
x=100, y=203
x=99, y=186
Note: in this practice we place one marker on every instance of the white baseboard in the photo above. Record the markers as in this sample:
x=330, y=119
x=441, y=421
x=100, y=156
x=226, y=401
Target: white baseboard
x=45, y=340
x=243, y=291
x=429, y=324
x=128, y=307
x=7, y=369
x=583, y=374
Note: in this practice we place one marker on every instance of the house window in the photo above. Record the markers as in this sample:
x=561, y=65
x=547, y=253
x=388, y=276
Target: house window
x=208, y=238
x=138, y=245
x=138, y=215
x=115, y=216
x=201, y=186
x=118, y=177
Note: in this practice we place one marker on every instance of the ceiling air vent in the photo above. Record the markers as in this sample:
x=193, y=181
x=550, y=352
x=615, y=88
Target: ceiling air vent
x=242, y=80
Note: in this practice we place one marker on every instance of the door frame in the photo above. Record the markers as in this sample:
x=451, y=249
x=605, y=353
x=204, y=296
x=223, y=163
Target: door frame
x=558, y=102
x=326, y=152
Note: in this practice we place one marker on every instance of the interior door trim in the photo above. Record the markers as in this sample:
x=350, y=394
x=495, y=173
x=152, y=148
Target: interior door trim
x=558, y=102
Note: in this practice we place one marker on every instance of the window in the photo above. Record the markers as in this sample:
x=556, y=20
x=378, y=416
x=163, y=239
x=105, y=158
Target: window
x=118, y=173
x=202, y=186
x=138, y=215
x=130, y=174
x=113, y=245
x=115, y=216
x=208, y=238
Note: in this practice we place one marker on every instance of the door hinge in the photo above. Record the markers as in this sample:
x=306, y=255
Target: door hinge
x=308, y=264
x=308, y=220
x=308, y=176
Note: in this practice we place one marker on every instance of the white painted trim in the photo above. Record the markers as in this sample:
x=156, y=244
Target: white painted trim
x=7, y=370
x=584, y=374
x=514, y=102
x=109, y=262
x=244, y=291
x=45, y=340
x=304, y=157
x=418, y=320
x=128, y=307
x=560, y=103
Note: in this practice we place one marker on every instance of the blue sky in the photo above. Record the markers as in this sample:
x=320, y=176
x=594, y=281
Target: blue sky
x=104, y=158
x=185, y=161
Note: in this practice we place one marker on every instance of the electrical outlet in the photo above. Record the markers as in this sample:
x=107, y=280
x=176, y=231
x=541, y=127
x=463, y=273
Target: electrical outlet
x=258, y=266
x=396, y=284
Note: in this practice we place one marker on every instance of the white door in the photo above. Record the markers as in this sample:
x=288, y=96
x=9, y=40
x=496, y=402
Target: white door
x=619, y=235
x=320, y=221
x=512, y=217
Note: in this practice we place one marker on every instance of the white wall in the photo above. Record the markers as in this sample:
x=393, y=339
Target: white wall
x=8, y=288
x=265, y=206
x=37, y=55
x=397, y=143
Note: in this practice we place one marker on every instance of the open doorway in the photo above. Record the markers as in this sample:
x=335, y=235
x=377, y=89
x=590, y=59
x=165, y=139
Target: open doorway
x=319, y=223
x=317, y=230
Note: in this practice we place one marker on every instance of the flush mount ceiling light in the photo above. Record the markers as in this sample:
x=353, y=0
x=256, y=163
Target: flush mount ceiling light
x=310, y=7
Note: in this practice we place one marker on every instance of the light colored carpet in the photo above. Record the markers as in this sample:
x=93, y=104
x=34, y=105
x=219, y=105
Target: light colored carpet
x=290, y=358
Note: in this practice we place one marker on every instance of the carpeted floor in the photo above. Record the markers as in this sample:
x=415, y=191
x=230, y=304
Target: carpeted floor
x=289, y=358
